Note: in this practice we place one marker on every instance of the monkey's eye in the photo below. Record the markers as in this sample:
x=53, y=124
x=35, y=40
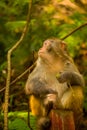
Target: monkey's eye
x=67, y=63
x=46, y=43
x=52, y=41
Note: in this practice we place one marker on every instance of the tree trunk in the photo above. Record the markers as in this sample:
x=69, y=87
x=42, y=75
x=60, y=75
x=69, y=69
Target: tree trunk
x=62, y=120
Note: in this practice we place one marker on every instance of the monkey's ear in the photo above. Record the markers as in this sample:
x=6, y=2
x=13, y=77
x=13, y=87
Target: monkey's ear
x=63, y=46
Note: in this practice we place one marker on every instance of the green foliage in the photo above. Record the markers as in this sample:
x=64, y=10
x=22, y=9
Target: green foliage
x=44, y=23
x=15, y=26
x=17, y=2
x=18, y=121
x=18, y=124
x=17, y=114
x=48, y=19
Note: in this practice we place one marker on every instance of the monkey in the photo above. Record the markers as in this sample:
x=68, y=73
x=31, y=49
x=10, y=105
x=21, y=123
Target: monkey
x=55, y=83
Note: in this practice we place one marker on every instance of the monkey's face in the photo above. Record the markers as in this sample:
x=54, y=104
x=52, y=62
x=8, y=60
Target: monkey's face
x=46, y=51
x=51, y=48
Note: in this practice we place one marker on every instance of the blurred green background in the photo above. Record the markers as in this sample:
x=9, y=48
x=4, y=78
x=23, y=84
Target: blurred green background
x=54, y=18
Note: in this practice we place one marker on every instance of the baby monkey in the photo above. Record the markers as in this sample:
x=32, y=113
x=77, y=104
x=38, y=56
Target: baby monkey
x=55, y=83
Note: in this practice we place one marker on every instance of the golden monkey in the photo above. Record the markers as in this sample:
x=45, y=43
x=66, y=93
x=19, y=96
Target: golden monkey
x=54, y=83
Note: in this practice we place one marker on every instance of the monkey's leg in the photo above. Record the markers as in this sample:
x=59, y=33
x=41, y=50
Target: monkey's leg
x=39, y=110
x=36, y=107
x=73, y=100
x=48, y=104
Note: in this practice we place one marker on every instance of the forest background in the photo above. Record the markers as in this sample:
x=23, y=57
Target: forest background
x=54, y=18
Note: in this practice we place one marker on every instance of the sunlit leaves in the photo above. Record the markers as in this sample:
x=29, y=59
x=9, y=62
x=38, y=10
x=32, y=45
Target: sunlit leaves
x=15, y=26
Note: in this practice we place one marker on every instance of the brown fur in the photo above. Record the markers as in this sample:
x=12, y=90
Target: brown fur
x=51, y=82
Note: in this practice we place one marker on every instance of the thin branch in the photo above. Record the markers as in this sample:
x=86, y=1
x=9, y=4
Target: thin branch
x=81, y=26
x=9, y=67
x=20, y=76
x=2, y=89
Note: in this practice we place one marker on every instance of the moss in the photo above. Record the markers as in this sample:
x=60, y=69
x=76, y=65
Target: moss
x=18, y=121
x=18, y=124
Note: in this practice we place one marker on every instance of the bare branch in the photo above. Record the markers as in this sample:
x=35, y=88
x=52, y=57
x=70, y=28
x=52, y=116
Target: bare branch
x=2, y=89
x=9, y=67
x=20, y=76
x=81, y=26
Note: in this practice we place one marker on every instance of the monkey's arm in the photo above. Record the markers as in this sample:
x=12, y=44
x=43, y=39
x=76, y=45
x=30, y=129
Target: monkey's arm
x=73, y=78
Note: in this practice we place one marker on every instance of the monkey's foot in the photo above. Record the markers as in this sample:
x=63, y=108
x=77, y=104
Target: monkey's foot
x=43, y=123
x=48, y=107
x=49, y=102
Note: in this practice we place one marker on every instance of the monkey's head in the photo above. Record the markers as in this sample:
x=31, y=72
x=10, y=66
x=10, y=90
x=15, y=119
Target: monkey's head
x=52, y=48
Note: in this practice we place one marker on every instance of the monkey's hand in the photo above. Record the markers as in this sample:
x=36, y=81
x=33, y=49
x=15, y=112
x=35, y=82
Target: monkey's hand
x=73, y=78
x=64, y=77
